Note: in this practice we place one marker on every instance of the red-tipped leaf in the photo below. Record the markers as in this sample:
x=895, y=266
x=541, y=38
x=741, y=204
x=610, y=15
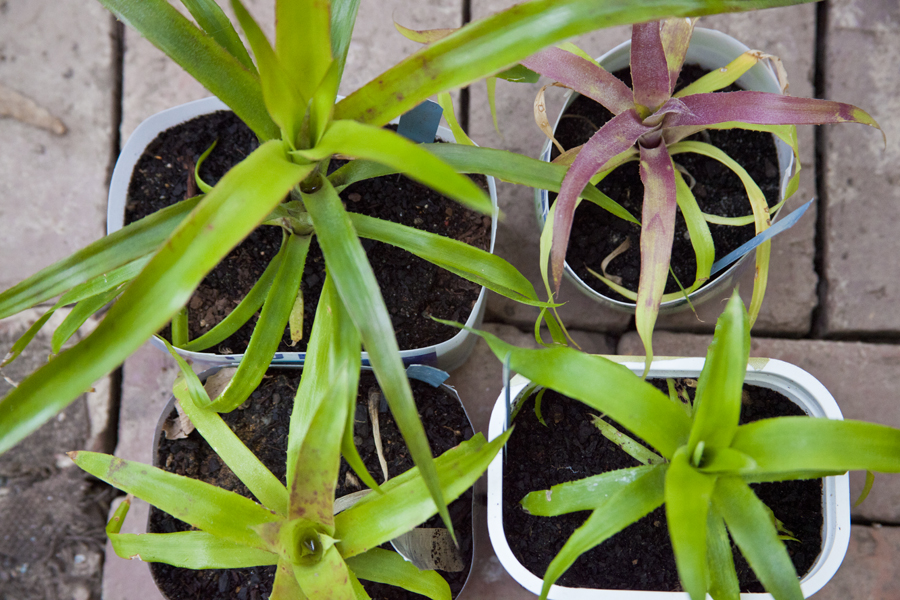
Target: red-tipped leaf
x=583, y=76
x=657, y=233
x=761, y=108
x=618, y=135
x=649, y=69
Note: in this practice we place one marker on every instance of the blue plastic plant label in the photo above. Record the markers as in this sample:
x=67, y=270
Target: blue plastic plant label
x=782, y=225
x=421, y=123
x=430, y=375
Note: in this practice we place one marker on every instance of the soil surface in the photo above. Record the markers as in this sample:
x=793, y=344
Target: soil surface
x=596, y=233
x=412, y=288
x=262, y=423
x=640, y=557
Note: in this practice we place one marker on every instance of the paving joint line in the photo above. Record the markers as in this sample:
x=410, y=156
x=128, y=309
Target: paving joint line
x=874, y=523
x=464, y=94
x=819, y=325
x=117, y=40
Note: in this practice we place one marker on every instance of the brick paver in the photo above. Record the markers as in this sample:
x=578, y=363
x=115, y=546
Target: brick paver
x=53, y=187
x=49, y=512
x=869, y=571
x=863, y=213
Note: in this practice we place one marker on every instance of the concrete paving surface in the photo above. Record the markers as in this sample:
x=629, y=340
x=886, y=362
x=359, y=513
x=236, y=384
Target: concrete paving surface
x=831, y=306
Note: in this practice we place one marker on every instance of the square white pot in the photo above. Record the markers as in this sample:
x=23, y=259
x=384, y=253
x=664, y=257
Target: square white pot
x=791, y=381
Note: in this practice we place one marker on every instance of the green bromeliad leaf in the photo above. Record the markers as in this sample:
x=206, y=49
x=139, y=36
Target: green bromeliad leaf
x=284, y=99
x=216, y=24
x=330, y=376
x=603, y=385
x=248, y=468
x=216, y=511
x=355, y=282
x=407, y=500
x=723, y=581
x=457, y=257
x=515, y=168
x=688, y=493
x=100, y=285
x=622, y=508
x=81, y=313
x=701, y=238
x=814, y=446
x=201, y=56
x=717, y=404
x=754, y=533
x=241, y=313
x=583, y=494
x=189, y=550
x=303, y=42
x=446, y=103
x=384, y=566
x=89, y=271
x=269, y=328
x=328, y=578
x=343, y=19
x=386, y=147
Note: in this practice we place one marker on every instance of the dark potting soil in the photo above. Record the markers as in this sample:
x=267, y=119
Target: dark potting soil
x=640, y=557
x=262, y=424
x=596, y=233
x=412, y=288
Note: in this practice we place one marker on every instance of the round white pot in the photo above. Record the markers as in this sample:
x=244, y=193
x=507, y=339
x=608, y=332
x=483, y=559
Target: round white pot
x=791, y=381
x=446, y=355
x=711, y=50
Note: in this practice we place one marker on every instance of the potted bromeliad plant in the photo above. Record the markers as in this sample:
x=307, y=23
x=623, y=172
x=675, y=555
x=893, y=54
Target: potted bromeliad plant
x=321, y=551
x=697, y=462
x=651, y=123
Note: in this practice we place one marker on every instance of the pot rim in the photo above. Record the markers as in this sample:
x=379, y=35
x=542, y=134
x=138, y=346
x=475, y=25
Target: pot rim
x=447, y=355
x=792, y=381
x=447, y=389
x=759, y=78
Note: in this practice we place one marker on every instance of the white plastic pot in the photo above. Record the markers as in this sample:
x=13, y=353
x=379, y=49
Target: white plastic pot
x=711, y=50
x=791, y=381
x=446, y=355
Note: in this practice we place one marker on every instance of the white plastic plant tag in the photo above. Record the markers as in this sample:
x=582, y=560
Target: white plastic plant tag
x=428, y=548
x=344, y=502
